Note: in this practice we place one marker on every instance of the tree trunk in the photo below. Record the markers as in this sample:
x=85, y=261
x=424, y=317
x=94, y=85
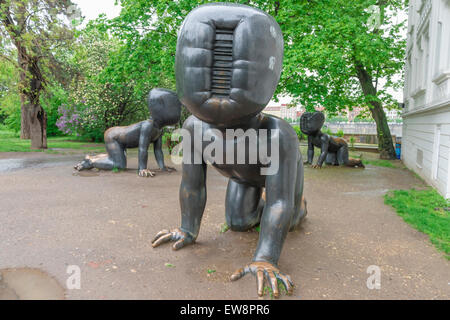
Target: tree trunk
x=25, y=129
x=38, y=127
x=385, y=144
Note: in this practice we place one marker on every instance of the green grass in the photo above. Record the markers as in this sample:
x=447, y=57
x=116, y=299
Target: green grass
x=426, y=211
x=211, y=271
x=281, y=289
x=11, y=142
x=224, y=228
x=380, y=163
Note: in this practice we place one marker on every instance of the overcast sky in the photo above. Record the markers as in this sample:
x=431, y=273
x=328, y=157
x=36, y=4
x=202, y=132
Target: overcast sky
x=91, y=9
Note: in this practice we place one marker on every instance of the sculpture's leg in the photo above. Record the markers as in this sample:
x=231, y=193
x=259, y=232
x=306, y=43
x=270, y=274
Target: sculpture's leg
x=342, y=155
x=300, y=201
x=243, y=206
x=331, y=159
x=116, y=157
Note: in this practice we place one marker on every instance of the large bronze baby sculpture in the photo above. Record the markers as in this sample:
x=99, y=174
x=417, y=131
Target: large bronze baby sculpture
x=165, y=109
x=334, y=150
x=228, y=64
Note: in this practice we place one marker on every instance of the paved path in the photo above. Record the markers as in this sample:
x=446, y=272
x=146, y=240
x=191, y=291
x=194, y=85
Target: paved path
x=103, y=222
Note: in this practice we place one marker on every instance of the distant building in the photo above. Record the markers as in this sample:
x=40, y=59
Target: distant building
x=284, y=109
x=426, y=117
x=393, y=115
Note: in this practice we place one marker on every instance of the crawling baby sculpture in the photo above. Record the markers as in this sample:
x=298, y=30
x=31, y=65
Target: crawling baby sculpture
x=165, y=109
x=228, y=64
x=334, y=150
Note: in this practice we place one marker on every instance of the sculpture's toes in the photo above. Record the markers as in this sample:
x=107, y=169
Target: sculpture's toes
x=78, y=167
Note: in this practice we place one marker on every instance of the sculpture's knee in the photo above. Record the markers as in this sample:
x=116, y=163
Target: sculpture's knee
x=241, y=224
x=238, y=221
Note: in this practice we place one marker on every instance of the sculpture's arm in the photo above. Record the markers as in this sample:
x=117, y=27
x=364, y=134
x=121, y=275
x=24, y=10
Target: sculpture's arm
x=310, y=150
x=275, y=223
x=144, y=142
x=193, y=201
x=192, y=198
x=325, y=142
x=159, y=155
x=278, y=210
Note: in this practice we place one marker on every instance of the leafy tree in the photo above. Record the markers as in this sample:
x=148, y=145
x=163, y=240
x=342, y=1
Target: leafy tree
x=33, y=28
x=99, y=98
x=9, y=96
x=336, y=51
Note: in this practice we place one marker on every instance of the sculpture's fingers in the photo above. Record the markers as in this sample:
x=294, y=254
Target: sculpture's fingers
x=273, y=283
x=290, y=280
x=260, y=282
x=239, y=273
x=163, y=239
x=179, y=244
x=286, y=283
x=160, y=234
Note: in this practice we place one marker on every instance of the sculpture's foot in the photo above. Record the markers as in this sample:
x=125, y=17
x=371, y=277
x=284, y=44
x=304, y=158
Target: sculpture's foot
x=146, y=173
x=265, y=270
x=86, y=164
x=356, y=163
x=180, y=238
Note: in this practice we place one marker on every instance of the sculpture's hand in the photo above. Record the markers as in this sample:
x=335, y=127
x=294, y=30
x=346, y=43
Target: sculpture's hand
x=317, y=166
x=168, y=169
x=182, y=238
x=265, y=270
x=146, y=173
x=85, y=164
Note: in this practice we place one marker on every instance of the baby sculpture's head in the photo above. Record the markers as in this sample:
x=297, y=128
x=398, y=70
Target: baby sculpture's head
x=164, y=106
x=311, y=122
x=228, y=62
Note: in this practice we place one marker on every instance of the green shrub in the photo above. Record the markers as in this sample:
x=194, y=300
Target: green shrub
x=301, y=136
x=168, y=140
x=52, y=99
x=352, y=142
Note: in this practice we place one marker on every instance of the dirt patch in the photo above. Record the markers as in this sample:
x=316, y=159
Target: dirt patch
x=29, y=284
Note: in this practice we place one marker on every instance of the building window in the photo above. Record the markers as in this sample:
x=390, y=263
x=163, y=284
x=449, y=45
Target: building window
x=409, y=70
x=418, y=77
x=419, y=158
x=426, y=39
x=436, y=148
x=437, y=65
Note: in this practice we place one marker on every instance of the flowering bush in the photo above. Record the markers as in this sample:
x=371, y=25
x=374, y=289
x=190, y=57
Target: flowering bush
x=69, y=120
x=98, y=100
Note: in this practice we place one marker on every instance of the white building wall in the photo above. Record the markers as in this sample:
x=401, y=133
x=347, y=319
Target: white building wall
x=426, y=119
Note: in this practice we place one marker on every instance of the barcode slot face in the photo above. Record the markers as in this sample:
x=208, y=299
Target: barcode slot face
x=223, y=63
